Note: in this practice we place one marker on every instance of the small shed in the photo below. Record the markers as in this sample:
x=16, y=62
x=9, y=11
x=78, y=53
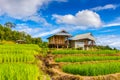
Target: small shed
x=59, y=40
x=84, y=41
x=20, y=42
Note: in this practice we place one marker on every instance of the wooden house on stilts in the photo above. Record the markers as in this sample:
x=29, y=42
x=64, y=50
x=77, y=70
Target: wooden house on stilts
x=59, y=40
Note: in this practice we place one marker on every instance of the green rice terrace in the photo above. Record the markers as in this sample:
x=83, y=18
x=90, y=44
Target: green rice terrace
x=90, y=64
x=30, y=62
x=18, y=62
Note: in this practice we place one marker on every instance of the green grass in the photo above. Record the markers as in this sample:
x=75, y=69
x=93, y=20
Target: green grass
x=92, y=69
x=85, y=52
x=20, y=47
x=11, y=58
x=86, y=58
x=19, y=72
x=18, y=53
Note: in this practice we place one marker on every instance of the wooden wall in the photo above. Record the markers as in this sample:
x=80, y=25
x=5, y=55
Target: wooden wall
x=57, y=40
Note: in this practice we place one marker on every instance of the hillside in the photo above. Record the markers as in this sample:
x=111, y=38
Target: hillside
x=8, y=34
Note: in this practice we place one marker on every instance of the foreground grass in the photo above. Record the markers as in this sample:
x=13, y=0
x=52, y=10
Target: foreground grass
x=92, y=69
x=18, y=62
x=19, y=72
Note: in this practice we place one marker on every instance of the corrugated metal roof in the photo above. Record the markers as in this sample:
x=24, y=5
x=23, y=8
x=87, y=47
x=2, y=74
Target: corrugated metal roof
x=62, y=33
x=83, y=36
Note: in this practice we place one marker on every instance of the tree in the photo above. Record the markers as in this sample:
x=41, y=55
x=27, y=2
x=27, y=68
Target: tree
x=100, y=47
x=36, y=40
x=9, y=25
x=7, y=34
x=44, y=45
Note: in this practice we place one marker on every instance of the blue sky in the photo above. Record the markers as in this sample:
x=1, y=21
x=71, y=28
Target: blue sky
x=42, y=18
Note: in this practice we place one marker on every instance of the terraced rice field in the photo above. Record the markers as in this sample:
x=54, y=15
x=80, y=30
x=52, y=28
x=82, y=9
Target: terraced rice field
x=18, y=71
x=69, y=51
x=18, y=53
x=18, y=62
x=86, y=58
x=85, y=64
x=92, y=69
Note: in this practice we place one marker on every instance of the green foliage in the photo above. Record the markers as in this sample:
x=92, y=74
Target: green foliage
x=92, y=69
x=86, y=58
x=6, y=33
x=9, y=25
x=85, y=52
x=44, y=46
x=104, y=47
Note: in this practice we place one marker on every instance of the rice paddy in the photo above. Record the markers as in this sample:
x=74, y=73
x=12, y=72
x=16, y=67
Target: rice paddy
x=18, y=62
x=92, y=69
x=85, y=52
x=88, y=63
x=86, y=58
x=19, y=71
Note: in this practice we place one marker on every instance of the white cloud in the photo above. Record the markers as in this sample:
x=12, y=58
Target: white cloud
x=111, y=24
x=108, y=6
x=47, y=33
x=84, y=18
x=54, y=29
x=111, y=40
x=27, y=29
x=106, y=31
x=21, y=8
x=25, y=9
x=38, y=19
x=115, y=22
x=37, y=32
x=1, y=13
x=60, y=0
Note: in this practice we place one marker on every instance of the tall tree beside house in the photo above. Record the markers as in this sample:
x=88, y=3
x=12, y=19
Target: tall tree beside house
x=9, y=25
x=36, y=40
x=1, y=32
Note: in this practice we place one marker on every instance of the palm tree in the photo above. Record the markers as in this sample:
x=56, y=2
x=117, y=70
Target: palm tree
x=9, y=25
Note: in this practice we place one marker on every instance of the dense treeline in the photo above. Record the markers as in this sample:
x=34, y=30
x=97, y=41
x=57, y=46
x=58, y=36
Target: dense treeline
x=100, y=47
x=6, y=33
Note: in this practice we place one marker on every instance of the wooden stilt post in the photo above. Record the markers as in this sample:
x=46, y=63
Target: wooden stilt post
x=57, y=46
